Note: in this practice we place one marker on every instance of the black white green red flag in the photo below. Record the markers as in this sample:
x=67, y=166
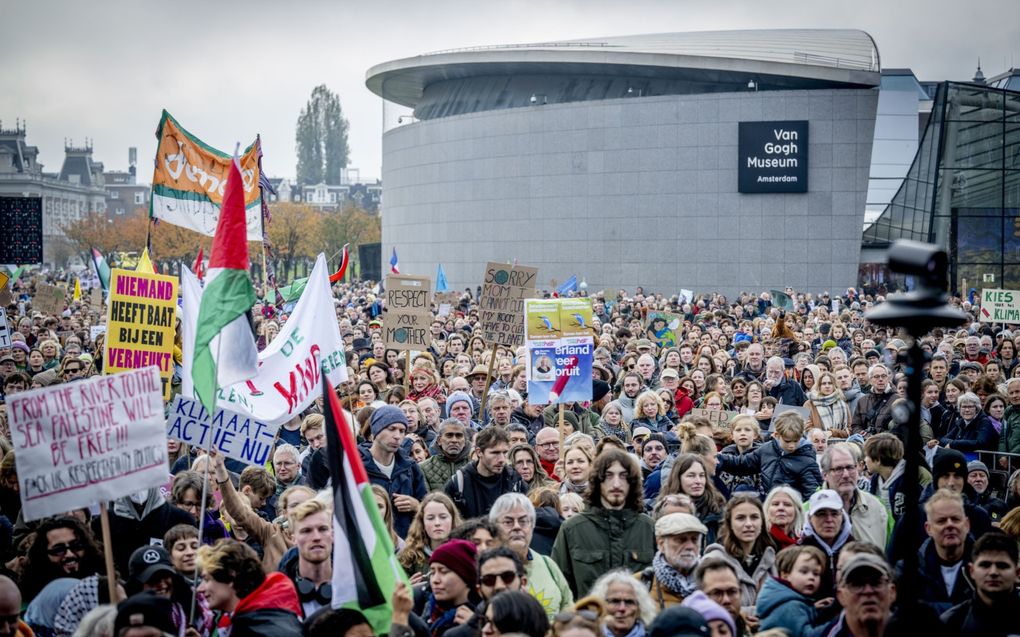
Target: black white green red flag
x=365, y=567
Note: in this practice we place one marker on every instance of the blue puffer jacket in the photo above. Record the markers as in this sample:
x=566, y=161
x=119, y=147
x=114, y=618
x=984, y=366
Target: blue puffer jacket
x=406, y=479
x=779, y=606
x=798, y=469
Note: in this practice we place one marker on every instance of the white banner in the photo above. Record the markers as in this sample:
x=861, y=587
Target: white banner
x=234, y=435
x=291, y=367
x=88, y=441
x=5, y=329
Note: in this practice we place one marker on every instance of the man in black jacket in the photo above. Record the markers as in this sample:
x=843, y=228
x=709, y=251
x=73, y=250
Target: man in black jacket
x=873, y=413
x=991, y=611
x=780, y=387
x=475, y=486
x=141, y=519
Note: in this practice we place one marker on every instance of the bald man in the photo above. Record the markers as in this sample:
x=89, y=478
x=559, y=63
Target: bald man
x=10, y=609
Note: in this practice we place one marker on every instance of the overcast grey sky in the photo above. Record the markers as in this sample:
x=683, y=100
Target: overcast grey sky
x=228, y=70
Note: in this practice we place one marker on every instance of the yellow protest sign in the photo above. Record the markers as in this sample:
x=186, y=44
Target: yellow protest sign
x=190, y=177
x=140, y=323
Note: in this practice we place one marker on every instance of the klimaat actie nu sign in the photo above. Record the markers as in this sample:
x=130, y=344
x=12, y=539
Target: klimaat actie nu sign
x=1000, y=306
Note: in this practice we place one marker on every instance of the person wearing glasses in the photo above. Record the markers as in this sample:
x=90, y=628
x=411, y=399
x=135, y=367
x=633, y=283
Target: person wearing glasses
x=870, y=519
x=971, y=431
x=63, y=547
x=629, y=607
x=71, y=370
x=515, y=514
x=873, y=413
x=716, y=577
x=866, y=592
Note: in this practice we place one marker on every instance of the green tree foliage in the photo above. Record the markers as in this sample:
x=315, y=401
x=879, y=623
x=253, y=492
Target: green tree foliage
x=322, y=147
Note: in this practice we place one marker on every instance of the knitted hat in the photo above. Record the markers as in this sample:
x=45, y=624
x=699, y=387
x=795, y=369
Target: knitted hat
x=385, y=416
x=460, y=556
x=710, y=610
x=458, y=397
x=948, y=461
x=20, y=345
x=145, y=609
x=977, y=465
x=599, y=388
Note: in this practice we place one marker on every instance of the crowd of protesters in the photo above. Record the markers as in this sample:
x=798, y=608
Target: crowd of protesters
x=632, y=514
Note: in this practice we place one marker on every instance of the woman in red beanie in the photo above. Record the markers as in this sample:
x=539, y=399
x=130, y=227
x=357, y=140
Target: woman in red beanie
x=453, y=574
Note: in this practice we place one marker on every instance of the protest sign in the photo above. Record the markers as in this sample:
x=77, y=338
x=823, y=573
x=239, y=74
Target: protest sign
x=140, y=323
x=560, y=350
x=407, y=317
x=48, y=299
x=1000, y=306
x=291, y=366
x=4, y=279
x=686, y=296
x=5, y=329
x=501, y=306
x=96, y=330
x=664, y=329
x=88, y=441
x=96, y=300
x=445, y=302
x=235, y=435
x=190, y=177
x=720, y=419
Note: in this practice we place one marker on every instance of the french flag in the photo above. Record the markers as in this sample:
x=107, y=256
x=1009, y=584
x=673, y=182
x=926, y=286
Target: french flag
x=394, y=264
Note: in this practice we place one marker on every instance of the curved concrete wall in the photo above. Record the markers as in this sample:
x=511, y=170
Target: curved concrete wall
x=628, y=192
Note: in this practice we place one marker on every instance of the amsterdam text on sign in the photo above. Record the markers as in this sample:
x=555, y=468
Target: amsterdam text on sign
x=773, y=157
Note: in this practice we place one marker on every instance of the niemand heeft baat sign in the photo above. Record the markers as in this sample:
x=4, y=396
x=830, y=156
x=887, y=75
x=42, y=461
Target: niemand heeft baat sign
x=773, y=157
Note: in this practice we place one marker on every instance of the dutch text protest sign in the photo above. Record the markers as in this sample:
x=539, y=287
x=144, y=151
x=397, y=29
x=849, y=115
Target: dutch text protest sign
x=407, y=317
x=291, y=366
x=719, y=418
x=88, y=441
x=5, y=329
x=1000, y=306
x=140, y=323
x=234, y=435
x=501, y=308
x=560, y=350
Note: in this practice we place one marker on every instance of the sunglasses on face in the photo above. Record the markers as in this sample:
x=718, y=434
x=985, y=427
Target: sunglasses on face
x=62, y=549
x=490, y=580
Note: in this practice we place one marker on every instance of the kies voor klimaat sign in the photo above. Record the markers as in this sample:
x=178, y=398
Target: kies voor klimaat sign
x=1000, y=306
x=772, y=157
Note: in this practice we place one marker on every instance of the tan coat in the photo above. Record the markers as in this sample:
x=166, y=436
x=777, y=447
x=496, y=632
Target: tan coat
x=267, y=534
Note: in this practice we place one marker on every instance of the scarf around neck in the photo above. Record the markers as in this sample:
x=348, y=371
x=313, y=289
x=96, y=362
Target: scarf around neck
x=672, y=579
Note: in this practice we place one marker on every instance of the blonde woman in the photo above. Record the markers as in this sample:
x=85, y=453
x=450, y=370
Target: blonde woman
x=650, y=411
x=828, y=407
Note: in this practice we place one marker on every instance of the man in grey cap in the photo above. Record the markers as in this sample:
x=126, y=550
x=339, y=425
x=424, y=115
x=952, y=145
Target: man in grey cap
x=670, y=578
x=866, y=592
x=977, y=477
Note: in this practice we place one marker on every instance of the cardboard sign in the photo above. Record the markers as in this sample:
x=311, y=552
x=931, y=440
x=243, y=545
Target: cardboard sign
x=48, y=299
x=501, y=307
x=290, y=367
x=88, y=441
x=5, y=329
x=407, y=317
x=719, y=419
x=560, y=350
x=1000, y=306
x=96, y=330
x=445, y=302
x=140, y=323
x=803, y=412
x=664, y=329
x=4, y=279
x=233, y=434
x=96, y=300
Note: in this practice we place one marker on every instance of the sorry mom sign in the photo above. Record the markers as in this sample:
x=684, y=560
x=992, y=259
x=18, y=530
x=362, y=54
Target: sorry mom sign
x=88, y=441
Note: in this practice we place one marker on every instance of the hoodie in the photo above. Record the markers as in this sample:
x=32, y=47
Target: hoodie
x=811, y=538
x=271, y=610
x=135, y=527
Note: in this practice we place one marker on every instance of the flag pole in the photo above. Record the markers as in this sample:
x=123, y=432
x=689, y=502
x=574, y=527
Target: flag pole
x=488, y=380
x=407, y=373
x=111, y=577
x=205, y=491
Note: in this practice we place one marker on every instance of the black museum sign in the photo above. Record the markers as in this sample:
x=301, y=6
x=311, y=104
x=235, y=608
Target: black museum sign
x=773, y=157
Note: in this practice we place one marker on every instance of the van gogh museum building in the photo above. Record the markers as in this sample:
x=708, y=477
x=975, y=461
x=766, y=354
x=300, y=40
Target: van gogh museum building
x=711, y=161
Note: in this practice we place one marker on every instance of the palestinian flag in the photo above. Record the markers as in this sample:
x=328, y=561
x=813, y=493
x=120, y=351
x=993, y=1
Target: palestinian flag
x=365, y=567
x=102, y=269
x=339, y=274
x=224, y=344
